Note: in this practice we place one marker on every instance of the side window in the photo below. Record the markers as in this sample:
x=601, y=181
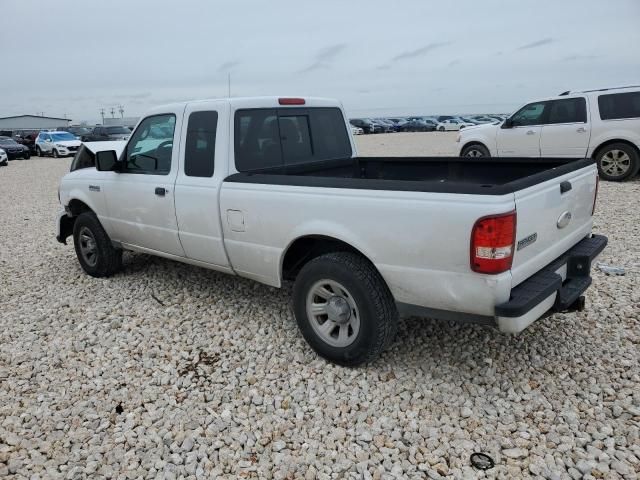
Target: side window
x=531, y=114
x=619, y=105
x=199, y=152
x=151, y=145
x=570, y=110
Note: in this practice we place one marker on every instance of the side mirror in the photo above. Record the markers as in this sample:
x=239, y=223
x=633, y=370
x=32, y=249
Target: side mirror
x=106, y=161
x=48, y=140
x=508, y=123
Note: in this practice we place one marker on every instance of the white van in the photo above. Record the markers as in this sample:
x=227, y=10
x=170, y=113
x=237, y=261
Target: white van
x=601, y=124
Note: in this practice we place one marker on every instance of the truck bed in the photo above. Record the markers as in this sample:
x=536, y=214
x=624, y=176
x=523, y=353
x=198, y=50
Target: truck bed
x=486, y=176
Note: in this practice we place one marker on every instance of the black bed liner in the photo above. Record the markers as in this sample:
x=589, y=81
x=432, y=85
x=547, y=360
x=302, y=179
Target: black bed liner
x=483, y=176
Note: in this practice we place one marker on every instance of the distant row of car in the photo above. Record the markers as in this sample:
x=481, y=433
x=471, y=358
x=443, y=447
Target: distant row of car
x=59, y=142
x=441, y=123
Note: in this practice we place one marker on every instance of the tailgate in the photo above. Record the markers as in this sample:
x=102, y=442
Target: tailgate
x=552, y=217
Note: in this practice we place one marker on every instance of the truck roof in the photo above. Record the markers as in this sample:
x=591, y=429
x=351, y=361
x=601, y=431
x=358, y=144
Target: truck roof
x=262, y=102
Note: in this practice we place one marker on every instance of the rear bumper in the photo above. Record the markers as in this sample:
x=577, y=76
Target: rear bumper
x=555, y=288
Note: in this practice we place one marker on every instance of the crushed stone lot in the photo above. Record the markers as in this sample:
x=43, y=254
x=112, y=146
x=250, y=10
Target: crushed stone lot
x=171, y=371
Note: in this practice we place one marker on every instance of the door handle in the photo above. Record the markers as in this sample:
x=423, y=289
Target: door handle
x=581, y=130
x=530, y=132
x=160, y=191
x=565, y=187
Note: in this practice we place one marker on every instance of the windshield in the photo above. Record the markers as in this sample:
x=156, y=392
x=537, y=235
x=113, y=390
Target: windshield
x=8, y=141
x=61, y=136
x=124, y=130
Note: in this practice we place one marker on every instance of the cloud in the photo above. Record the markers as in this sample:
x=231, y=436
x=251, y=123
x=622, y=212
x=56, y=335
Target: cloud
x=539, y=43
x=420, y=51
x=227, y=66
x=577, y=57
x=324, y=56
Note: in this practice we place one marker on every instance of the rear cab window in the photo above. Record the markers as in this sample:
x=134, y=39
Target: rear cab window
x=616, y=106
x=291, y=136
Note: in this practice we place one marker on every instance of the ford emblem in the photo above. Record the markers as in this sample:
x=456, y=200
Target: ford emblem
x=564, y=219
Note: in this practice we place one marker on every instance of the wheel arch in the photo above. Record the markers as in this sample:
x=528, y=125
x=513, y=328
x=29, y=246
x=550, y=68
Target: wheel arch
x=606, y=143
x=474, y=142
x=305, y=248
x=74, y=208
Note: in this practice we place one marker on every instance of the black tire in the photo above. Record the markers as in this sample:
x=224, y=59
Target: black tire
x=473, y=149
x=55, y=153
x=108, y=260
x=27, y=156
x=617, y=162
x=378, y=316
x=39, y=152
x=441, y=129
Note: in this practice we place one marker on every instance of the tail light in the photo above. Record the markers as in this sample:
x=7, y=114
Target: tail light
x=595, y=196
x=291, y=101
x=493, y=243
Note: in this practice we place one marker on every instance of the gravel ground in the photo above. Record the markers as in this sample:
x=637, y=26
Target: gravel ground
x=170, y=371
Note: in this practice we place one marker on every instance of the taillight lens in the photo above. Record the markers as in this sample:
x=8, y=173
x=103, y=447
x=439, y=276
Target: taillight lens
x=492, y=243
x=595, y=196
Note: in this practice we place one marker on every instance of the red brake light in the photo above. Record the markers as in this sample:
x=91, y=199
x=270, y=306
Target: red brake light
x=291, y=101
x=595, y=195
x=492, y=243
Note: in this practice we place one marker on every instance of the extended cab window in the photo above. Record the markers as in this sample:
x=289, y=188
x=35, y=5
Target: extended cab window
x=279, y=137
x=619, y=105
x=199, y=155
x=151, y=145
x=570, y=110
x=531, y=114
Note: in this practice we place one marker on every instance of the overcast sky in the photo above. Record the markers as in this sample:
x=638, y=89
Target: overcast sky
x=72, y=57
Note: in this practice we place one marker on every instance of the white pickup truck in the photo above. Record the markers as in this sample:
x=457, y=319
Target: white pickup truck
x=271, y=189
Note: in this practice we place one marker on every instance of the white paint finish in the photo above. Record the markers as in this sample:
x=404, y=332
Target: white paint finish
x=566, y=139
x=518, y=141
x=421, y=251
x=196, y=198
x=539, y=208
x=518, y=324
x=138, y=216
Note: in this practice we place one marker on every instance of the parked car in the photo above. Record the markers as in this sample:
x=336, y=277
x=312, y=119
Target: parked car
x=484, y=119
x=4, y=158
x=77, y=131
x=24, y=137
x=279, y=206
x=418, y=126
x=452, y=124
x=442, y=118
x=13, y=149
x=102, y=133
x=600, y=124
x=57, y=144
x=381, y=127
x=366, y=125
x=356, y=130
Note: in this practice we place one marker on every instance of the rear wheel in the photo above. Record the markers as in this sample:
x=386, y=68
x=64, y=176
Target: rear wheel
x=475, y=150
x=617, y=162
x=344, y=309
x=96, y=254
x=441, y=129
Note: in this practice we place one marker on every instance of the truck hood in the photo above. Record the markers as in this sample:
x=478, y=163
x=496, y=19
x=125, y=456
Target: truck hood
x=487, y=127
x=69, y=143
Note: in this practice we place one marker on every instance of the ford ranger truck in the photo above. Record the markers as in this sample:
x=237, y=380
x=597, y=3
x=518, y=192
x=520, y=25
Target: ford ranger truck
x=272, y=189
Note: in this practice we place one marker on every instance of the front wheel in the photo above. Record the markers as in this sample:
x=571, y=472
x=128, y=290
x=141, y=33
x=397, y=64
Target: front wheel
x=441, y=129
x=39, y=152
x=344, y=309
x=475, y=150
x=617, y=162
x=27, y=156
x=55, y=153
x=96, y=254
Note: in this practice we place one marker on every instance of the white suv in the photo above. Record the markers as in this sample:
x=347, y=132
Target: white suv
x=57, y=144
x=454, y=124
x=601, y=124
